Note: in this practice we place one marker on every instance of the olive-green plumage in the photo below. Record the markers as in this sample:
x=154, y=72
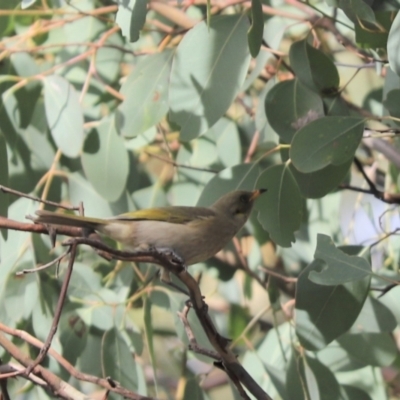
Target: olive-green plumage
x=193, y=233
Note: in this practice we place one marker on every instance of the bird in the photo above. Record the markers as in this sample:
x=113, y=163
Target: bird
x=194, y=234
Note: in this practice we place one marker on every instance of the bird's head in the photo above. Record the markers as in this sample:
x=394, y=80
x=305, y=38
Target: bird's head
x=238, y=204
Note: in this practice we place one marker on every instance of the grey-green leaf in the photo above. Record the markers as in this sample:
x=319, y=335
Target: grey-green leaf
x=105, y=161
x=256, y=30
x=323, y=313
x=131, y=16
x=64, y=114
x=374, y=317
x=373, y=349
x=313, y=68
x=208, y=71
x=393, y=45
x=145, y=91
x=3, y=180
x=281, y=208
x=317, y=184
x=289, y=105
x=118, y=361
x=339, y=267
x=326, y=141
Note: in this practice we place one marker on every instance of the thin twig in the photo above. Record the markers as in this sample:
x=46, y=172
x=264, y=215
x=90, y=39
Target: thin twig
x=34, y=198
x=284, y=278
x=57, y=314
x=42, y=267
x=175, y=164
x=103, y=382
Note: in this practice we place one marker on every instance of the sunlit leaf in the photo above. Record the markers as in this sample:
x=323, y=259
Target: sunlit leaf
x=105, y=161
x=64, y=115
x=204, y=82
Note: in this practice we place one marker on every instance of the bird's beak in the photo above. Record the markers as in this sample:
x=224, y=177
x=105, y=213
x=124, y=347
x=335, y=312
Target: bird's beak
x=256, y=193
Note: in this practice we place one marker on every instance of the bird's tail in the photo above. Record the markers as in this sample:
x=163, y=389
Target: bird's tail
x=54, y=218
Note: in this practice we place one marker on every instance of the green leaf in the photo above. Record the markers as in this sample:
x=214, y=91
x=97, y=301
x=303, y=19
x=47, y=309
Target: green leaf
x=81, y=190
x=376, y=349
x=323, y=312
x=305, y=374
x=102, y=309
x=3, y=181
x=374, y=317
x=289, y=103
x=108, y=58
x=392, y=103
x=239, y=177
x=357, y=9
x=317, y=184
x=118, y=361
x=339, y=267
x=145, y=91
x=278, y=378
x=228, y=142
x=11, y=255
x=73, y=335
x=375, y=37
x=27, y=3
x=393, y=45
x=193, y=391
x=148, y=329
x=64, y=115
x=335, y=106
x=281, y=208
x=256, y=30
x=204, y=82
x=105, y=161
x=313, y=68
x=10, y=118
x=326, y=141
x=20, y=298
x=353, y=393
x=138, y=18
x=238, y=320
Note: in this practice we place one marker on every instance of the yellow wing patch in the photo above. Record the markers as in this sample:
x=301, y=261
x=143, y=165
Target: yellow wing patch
x=174, y=215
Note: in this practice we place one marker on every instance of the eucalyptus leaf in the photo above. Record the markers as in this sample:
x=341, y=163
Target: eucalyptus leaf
x=240, y=177
x=393, y=45
x=256, y=30
x=323, y=312
x=281, y=208
x=376, y=349
x=317, y=184
x=145, y=91
x=105, y=161
x=64, y=115
x=339, y=267
x=326, y=141
x=289, y=105
x=204, y=82
x=313, y=68
x=118, y=361
x=3, y=181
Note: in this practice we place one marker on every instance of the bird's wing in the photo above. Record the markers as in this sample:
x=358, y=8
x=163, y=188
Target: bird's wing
x=174, y=215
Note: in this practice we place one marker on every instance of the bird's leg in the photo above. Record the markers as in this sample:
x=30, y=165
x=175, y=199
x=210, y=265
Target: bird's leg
x=175, y=259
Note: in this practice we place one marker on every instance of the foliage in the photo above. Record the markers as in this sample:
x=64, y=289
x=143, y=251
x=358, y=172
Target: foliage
x=129, y=105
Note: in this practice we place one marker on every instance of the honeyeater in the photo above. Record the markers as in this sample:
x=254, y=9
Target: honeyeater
x=193, y=233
